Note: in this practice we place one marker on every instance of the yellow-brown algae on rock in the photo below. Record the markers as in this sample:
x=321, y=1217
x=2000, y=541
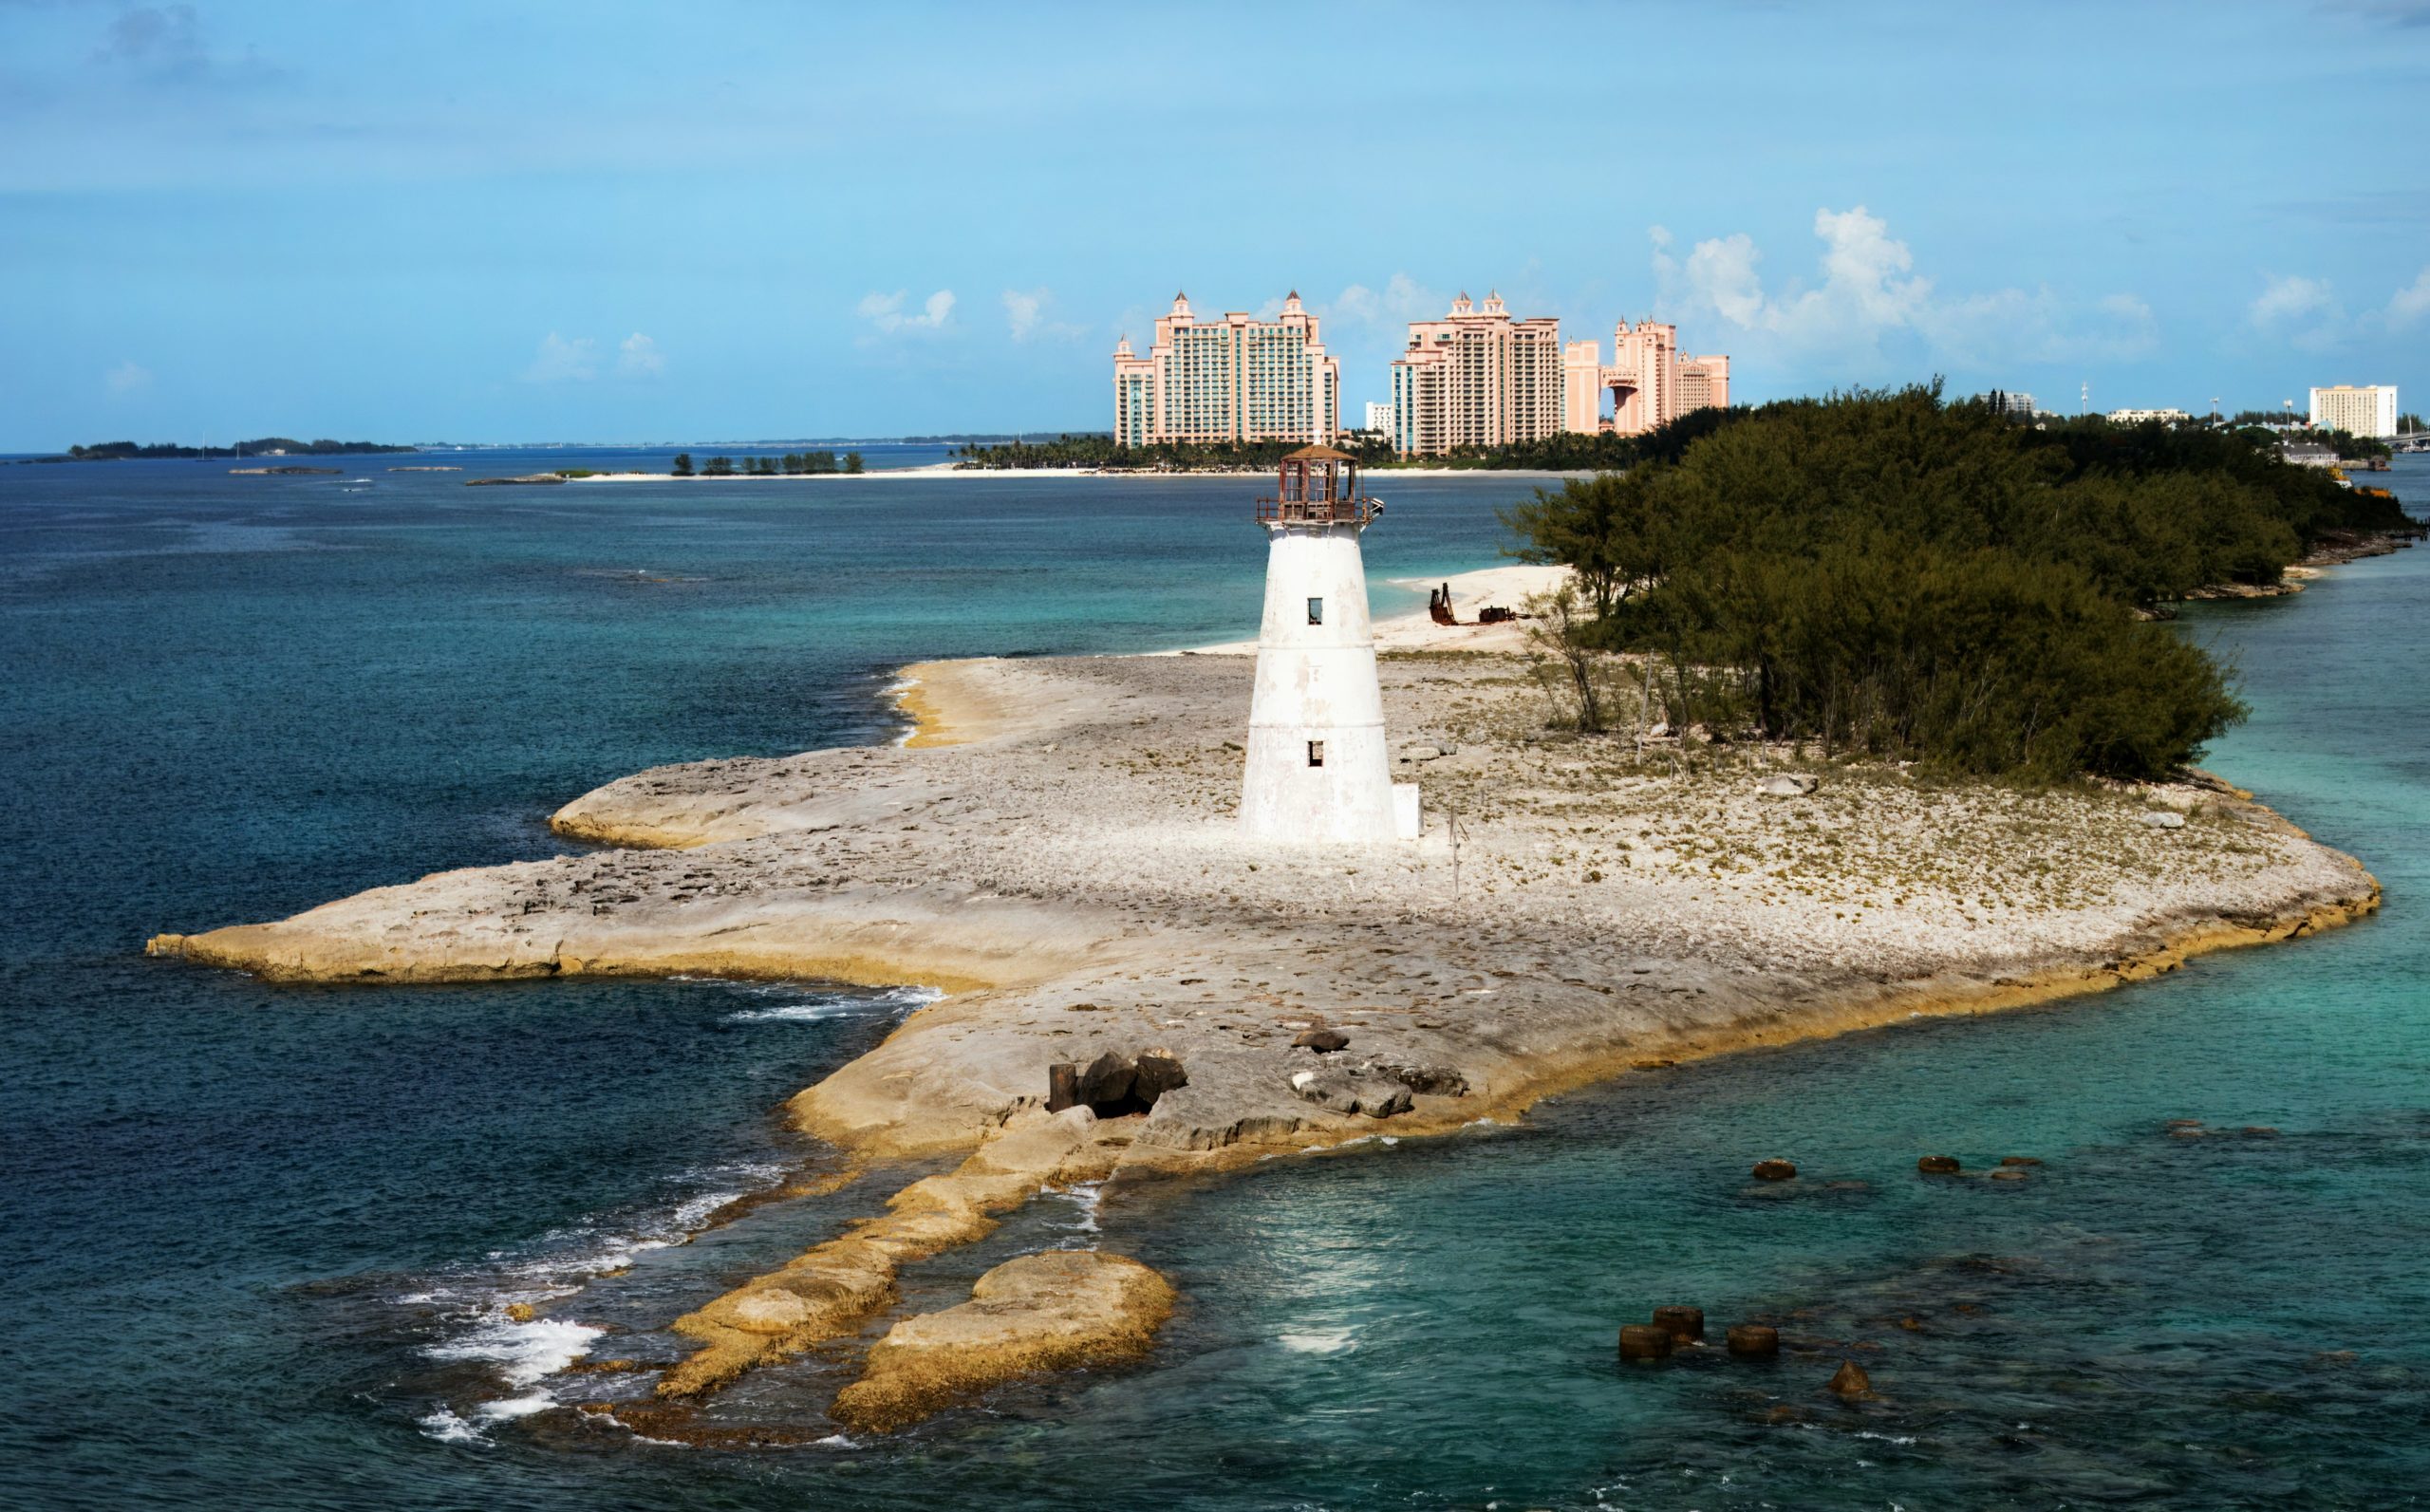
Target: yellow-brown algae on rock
x=830, y=1289
x=1058, y=1311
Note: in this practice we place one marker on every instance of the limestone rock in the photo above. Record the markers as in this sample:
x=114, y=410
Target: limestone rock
x=1938, y=1166
x=1348, y=1092
x=1788, y=785
x=2160, y=819
x=1323, y=1041
x=1686, y=1324
x=1774, y=1171
x=1058, y=1311
x=1429, y=1081
x=772, y=1310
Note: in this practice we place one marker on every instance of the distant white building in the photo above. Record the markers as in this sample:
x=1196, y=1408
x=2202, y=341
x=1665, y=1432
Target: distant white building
x=2365, y=411
x=2137, y=416
x=1379, y=416
x=2011, y=403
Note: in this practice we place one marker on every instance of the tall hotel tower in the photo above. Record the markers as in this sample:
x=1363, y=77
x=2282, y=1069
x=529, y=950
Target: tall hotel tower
x=1237, y=378
x=1476, y=378
x=1318, y=767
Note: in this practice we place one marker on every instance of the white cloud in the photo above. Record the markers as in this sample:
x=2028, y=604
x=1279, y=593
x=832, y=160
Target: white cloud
x=636, y=356
x=560, y=361
x=2412, y=302
x=1867, y=290
x=1403, y=300
x=1026, y=314
x=2293, y=298
x=127, y=377
x=887, y=313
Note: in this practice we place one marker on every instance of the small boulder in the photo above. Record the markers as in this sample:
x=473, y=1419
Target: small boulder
x=2018, y=1160
x=1774, y=1171
x=1779, y=788
x=1106, y=1081
x=1374, y=1096
x=1754, y=1341
x=2160, y=819
x=1154, y=1074
x=1938, y=1166
x=1686, y=1324
x=1851, y=1384
x=1323, y=1041
x=1644, y=1341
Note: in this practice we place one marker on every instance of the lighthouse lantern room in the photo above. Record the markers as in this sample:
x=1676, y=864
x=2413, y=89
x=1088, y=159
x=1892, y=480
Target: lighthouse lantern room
x=1317, y=767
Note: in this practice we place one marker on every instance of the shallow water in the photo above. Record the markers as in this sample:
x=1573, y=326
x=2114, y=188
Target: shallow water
x=260, y=1240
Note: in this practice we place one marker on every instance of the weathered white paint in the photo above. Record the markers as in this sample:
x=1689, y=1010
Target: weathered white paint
x=1317, y=682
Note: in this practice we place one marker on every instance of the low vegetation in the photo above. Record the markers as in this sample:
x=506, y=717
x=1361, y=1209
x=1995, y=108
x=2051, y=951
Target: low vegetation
x=1885, y=573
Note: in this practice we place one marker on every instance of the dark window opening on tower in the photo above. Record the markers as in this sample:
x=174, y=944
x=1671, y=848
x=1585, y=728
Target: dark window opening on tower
x=1316, y=611
x=1315, y=753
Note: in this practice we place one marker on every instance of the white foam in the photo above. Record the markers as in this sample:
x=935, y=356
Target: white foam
x=524, y=1352
x=515, y=1406
x=1330, y=1341
x=447, y=1428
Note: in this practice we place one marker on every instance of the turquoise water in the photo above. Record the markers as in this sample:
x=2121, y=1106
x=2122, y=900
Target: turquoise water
x=257, y=1237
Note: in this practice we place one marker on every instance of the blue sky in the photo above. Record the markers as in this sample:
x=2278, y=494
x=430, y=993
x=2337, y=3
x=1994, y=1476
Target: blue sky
x=616, y=221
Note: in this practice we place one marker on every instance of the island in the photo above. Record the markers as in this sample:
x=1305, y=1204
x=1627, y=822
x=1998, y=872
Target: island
x=1666, y=818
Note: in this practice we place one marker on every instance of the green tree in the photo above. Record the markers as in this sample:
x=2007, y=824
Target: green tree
x=720, y=467
x=852, y=462
x=682, y=464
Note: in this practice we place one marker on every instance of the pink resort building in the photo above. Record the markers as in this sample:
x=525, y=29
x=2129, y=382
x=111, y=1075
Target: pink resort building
x=1237, y=378
x=1476, y=378
x=1479, y=378
x=1651, y=383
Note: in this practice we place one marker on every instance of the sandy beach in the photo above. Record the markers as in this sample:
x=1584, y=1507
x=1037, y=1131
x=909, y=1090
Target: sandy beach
x=1053, y=848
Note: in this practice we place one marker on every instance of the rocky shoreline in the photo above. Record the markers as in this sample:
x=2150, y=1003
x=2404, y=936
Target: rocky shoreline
x=1135, y=991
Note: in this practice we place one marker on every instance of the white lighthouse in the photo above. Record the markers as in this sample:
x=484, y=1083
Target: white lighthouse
x=1317, y=767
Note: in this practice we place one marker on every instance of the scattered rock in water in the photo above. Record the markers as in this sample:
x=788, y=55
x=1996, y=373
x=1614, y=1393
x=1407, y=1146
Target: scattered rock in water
x=1851, y=1384
x=1686, y=1324
x=1938, y=1166
x=1644, y=1341
x=2160, y=819
x=518, y=1311
x=2008, y=1173
x=1774, y=1171
x=2259, y=1131
x=1323, y=1041
x=2018, y=1160
x=1754, y=1341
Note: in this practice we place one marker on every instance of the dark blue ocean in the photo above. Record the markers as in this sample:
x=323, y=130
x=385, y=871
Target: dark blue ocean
x=257, y=1240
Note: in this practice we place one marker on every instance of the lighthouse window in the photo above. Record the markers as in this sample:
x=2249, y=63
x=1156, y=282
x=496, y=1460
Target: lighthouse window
x=1316, y=611
x=1315, y=753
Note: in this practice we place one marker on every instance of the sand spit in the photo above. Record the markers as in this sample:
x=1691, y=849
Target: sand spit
x=1058, y=854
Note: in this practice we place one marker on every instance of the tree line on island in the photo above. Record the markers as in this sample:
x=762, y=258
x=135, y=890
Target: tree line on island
x=260, y=447
x=1885, y=573
x=789, y=464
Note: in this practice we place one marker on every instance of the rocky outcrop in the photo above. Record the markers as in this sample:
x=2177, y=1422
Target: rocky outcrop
x=1041, y=1313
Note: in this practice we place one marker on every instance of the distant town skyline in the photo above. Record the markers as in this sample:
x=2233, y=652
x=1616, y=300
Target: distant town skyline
x=620, y=222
